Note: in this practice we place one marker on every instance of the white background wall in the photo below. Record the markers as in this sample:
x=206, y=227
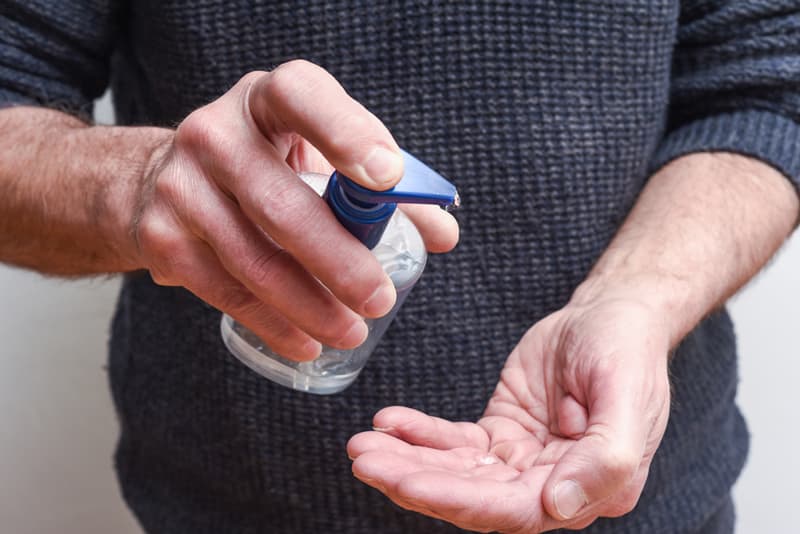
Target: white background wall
x=57, y=428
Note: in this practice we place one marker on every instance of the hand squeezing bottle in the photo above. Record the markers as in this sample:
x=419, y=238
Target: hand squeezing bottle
x=372, y=217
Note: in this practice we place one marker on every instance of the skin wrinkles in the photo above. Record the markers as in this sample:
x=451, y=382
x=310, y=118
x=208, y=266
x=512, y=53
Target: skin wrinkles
x=584, y=398
x=214, y=205
x=587, y=399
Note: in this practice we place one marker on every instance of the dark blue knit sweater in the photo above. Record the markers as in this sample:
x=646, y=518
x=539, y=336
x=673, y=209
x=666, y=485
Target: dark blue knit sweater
x=548, y=114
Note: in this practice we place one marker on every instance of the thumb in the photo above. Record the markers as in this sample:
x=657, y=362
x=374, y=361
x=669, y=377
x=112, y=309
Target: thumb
x=601, y=465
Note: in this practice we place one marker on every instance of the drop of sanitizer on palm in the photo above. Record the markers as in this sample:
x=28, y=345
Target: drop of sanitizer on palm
x=372, y=217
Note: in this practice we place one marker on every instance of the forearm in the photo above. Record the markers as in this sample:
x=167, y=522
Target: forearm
x=702, y=227
x=67, y=191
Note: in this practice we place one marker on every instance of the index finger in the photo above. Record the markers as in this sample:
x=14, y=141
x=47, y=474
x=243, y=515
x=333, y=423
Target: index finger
x=303, y=98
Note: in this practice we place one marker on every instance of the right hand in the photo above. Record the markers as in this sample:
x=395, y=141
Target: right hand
x=222, y=212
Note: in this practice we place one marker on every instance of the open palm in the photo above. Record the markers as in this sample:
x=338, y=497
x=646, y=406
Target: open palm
x=568, y=435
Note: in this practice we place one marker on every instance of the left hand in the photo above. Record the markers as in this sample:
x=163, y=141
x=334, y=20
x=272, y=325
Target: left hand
x=568, y=435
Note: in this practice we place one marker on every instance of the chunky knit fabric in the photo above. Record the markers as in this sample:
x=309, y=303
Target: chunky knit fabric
x=549, y=115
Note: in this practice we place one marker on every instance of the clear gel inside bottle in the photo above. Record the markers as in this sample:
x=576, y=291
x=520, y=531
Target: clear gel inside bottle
x=393, y=239
x=401, y=253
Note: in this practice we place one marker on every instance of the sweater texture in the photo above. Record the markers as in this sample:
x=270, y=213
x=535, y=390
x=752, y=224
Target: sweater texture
x=548, y=115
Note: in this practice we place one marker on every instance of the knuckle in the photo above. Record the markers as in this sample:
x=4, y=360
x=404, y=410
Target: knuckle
x=620, y=507
x=238, y=300
x=359, y=279
x=161, y=278
x=281, y=335
x=334, y=328
x=264, y=269
x=288, y=205
x=292, y=77
x=201, y=133
x=284, y=196
x=296, y=66
x=167, y=270
x=624, y=507
x=157, y=237
x=193, y=130
x=620, y=464
x=164, y=249
x=629, y=501
x=322, y=328
x=250, y=78
x=281, y=83
x=170, y=187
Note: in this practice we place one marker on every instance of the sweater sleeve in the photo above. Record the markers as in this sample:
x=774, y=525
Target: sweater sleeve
x=55, y=53
x=736, y=82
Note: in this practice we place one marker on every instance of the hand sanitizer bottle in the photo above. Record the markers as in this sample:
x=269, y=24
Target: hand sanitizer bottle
x=372, y=217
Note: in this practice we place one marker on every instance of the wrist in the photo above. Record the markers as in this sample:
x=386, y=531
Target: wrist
x=144, y=151
x=669, y=298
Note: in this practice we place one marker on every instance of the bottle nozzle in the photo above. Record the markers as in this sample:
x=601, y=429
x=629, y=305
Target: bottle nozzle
x=456, y=203
x=419, y=185
x=365, y=212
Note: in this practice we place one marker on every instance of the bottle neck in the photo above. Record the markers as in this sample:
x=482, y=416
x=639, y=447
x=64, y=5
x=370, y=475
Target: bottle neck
x=365, y=220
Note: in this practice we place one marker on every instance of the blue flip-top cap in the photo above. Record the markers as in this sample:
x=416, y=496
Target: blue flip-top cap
x=365, y=213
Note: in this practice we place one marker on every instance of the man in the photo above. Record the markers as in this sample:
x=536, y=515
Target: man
x=625, y=167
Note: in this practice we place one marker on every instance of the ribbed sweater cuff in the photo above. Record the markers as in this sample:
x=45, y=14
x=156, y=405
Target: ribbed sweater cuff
x=764, y=135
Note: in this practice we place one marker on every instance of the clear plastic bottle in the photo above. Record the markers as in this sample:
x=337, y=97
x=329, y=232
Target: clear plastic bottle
x=400, y=251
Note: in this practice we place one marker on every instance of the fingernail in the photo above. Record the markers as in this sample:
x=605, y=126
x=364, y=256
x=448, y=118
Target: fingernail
x=355, y=335
x=381, y=300
x=382, y=165
x=382, y=428
x=569, y=498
